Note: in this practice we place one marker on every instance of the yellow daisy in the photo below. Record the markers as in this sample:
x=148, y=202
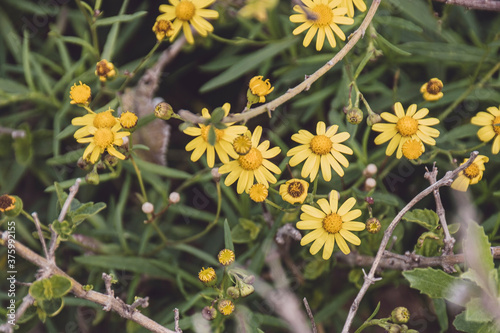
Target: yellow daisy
x=413, y=149
x=103, y=139
x=260, y=88
x=323, y=149
x=186, y=13
x=471, y=175
x=404, y=127
x=258, y=192
x=80, y=94
x=491, y=127
x=431, y=91
x=360, y=5
x=257, y=9
x=223, y=139
x=162, y=29
x=330, y=224
x=252, y=165
x=322, y=17
x=294, y=191
x=92, y=121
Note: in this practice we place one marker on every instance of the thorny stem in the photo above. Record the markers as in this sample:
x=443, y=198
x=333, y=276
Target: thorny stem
x=370, y=278
x=304, y=85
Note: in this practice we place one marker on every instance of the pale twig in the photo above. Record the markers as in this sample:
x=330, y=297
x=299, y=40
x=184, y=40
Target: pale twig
x=21, y=309
x=310, y=315
x=40, y=235
x=369, y=279
x=303, y=86
x=72, y=192
x=116, y=304
x=449, y=241
x=176, y=320
x=491, y=5
x=142, y=302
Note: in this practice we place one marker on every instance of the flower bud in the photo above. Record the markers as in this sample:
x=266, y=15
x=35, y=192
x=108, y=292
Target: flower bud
x=148, y=208
x=92, y=178
x=400, y=315
x=215, y=173
x=246, y=289
x=11, y=205
x=370, y=170
x=373, y=225
x=164, y=111
x=394, y=329
x=354, y=115
x=370, y=200
x=233, y=292
x=373, y=118
x=250, y=279
x=226, y=307
x=174, y=197
x=111, y=160
x=370, y=184
x=209, y=313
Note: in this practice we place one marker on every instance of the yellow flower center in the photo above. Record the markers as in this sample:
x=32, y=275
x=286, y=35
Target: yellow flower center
x=7, y=203
x=252, y=160
x=332, y=223
x=295, y=189
x=407, y=126
x=128, y=119
x=412, y=149
x=206, y=275
x=258, y=192
x=80, y=94
x=104, y=119
x=185, y=10
x=434, y=86
x=321, y=145
x=496, y=125
x=103, y=137
x=205, y=130
x=324, y=15
x=226, y=307
x=242, y=144
x=472, y=171
x=226, y=257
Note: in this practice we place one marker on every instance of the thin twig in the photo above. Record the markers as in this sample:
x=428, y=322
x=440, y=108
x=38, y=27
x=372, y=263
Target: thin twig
x=310, y=315
x=176, y=320
x=40, y=234
x=304, y=85
x=142, y=302
x=370, y=278
x=72, y=192
x=491, y=5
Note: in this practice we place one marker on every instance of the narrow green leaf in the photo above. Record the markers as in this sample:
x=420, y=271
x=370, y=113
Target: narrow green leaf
x=26, y=62
x=78, y=41
x=389, y=46
x=208, y=259
x=132, y=264
x=51, y=307
x=458, y=53
x=441, y=313
x=85, y=211
x=212, y=137
x=109, y=46
x=13, y=87
x=228, y=240
x=119, y=18
x=162, y=170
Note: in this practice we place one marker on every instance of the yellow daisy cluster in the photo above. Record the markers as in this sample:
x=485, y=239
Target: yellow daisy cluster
x=185, y=14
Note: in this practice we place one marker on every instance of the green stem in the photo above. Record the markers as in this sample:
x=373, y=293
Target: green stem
x=315, y=186
x=139, y=66
x=29, y=217
x=93, y=28
x=138, y=173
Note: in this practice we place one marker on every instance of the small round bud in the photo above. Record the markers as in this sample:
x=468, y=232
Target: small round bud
x=226, y=307
x=373, y=118
x=400, y=315
x=226, y=257
x=394, y=329
x=373, y=225
x=164, y=111
x=84, y=164
x=370, y=200
x=233, y=292
x=148, y=208
x=242, y=144
x=174, y=197
x=354, y=116
x=92, y=178
x=246, y=289
x=209, y=313
x=111, y=160
x=11, y=205
x=370, y=184
x=215, y=173
x=207, y=276
x=370, y=170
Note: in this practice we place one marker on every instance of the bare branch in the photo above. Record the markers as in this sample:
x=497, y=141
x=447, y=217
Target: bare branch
x=490, y=5
x=176, y=320
x=72, y=192
x=310, y=315
x=40, y=235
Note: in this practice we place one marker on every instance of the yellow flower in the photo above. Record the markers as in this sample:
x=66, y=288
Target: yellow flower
x=258, y=192
x=491, y=127
x=105, y=70
x=404, y=127
x=360, y=5
x=431, y=91
x=162, y=29
x=226, y=257
x=412, y=149
x=321, y=17
x=471, y=175
x=80, y=94
x=252, y=165
x=294, y=191
x=257, y=9
x=186, y=12
x=103, y=139
x=207, y=275
x=7, y=203
x=226, y=307
x=260, y=87
x=92, y=121
x=242, y=144
x=223, y=139
x=330, y=224
x=323, y=149
x=128, y=119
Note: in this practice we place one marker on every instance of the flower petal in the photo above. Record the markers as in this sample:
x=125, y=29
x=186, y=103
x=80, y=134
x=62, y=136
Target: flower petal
x=309, y=224
x=346, y=206
x=329, y=245
x=353, y=214
x=342, y=244
x=350, y=237
x=325, y=206
x=312, y=236
x=318, y=243
x=353, y=226
x=315, y=212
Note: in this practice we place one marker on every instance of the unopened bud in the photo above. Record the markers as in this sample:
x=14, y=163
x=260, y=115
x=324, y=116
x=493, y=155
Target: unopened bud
x=370, y=184
x=164, y=111
x=370, y=170
x=400, y=315
x=209, y=313
x=148, y=208
x=394, y=329
x=370, y=200
x=215, y=173
x=354, y=115
x=233, y=292
x=373, y=118
x=111, y=160
x=84, y=164
x=246, y=289
x=92, y=178
x=250, y=279
x=373, y=225
x=174, y=197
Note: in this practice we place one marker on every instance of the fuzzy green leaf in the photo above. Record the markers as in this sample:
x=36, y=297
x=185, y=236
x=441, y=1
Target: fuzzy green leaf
x=61, y=285
x=120, y=18
x=424, y=217
x=228, y=239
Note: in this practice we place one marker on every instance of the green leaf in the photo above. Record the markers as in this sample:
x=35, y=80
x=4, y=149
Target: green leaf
x=119, y=18
x=474, y=311
x=51, y=307
x=132, y=264
x=385, y=45
x=148, y=167
x=397, y=23
x=463, y=325
x=228, y=240
x=41, y=289
x=212, y=137
x=13, y=87
x=245, y=231
x=26, y=62
x=23, y=147
x=424, y=217
x=85, y=211
x=453, y=228
x=247, y=64
x=217, y=115
x=451, y=52
x=61, y=285
x=478, y=257
x=314, y=269
x=441, y=313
